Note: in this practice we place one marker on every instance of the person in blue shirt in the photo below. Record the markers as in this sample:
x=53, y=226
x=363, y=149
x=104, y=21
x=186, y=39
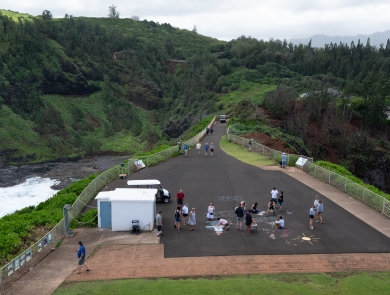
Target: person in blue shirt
x=207, y=130
x=311, y=213
x=185, y=149
x=81, y=253
x=320, y=209
x=206, y=149
x=284, y=160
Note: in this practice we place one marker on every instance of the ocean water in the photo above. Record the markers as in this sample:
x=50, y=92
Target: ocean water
x=31, y=192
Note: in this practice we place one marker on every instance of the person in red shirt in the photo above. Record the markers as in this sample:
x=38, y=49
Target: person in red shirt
x=180, y=197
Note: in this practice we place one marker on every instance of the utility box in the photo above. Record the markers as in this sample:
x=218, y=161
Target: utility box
x=117, y=209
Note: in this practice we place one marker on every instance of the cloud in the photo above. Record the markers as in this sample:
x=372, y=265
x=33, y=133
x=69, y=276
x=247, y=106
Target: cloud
x=230, y=19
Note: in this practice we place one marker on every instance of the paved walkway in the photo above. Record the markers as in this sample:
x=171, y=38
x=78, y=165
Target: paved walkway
x=121, y=255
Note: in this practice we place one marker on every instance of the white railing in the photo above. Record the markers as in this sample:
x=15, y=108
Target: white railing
x=17, y=267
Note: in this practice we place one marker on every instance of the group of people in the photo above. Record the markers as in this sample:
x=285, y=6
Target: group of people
x=276, y=198
x=206, y=147
x=316, y=212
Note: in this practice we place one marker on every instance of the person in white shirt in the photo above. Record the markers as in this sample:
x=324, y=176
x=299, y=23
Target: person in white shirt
x=198, y=145
x=279, y=223
x=185, y=213
x=274, y=196
x=223, y=222
x=316, y=208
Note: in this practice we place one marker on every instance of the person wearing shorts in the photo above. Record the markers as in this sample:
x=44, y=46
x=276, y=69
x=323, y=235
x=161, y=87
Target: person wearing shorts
x=177, y=215
x=185, y=213
x=311, y=213
x=206, y=149
x=81, y=252
x=280, y=200
x=320, y=209
x=248, y=223
x=198, y=145
x=159, y=224
x=211, y=149
x=274, y=196
x=240, y=216
x=271, y=207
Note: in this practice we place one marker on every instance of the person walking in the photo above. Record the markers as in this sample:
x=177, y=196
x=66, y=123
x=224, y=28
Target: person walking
x=185, y=213
x=198, y=145
x=248, y=223
x=177, y=215
x=210, y=212
x=280, y=200
x=240, y=216
x=311, y=214
x=211, y=149
x=159, y=224
x=185, y=149
x=211, y=130
x=250, y=145
x=274, y=196
x=192, y=219
x=207, y=130
x=316, y=208
x=284, y=160
x=320, y=209
x=179, y=144
x=81, y=254
x=180, y=197
x=206, y=149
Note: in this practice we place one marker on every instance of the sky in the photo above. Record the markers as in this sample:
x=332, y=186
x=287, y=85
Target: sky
x=228, y=19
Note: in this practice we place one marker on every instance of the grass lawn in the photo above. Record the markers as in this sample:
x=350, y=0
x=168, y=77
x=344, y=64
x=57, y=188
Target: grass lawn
x=334, y=283
x=243, y=154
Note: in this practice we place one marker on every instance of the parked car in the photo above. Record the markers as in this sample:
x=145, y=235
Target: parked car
x=162, y=195
x=222, y=118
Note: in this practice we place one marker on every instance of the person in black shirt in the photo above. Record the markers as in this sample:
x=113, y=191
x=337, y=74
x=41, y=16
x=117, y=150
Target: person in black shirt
x=248, y=223
x=240, y=215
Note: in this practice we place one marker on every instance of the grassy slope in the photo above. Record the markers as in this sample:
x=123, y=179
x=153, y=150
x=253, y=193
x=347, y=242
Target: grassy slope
x=15, y=15
x=335, y=283
x=243, y=155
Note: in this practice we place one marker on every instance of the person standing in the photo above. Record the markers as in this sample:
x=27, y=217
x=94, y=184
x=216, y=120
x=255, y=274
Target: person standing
x=311, y=213
x=316, y=208
x=248, y=223
x=240, y=216
x=250, y=144
x=206, y=149
x=185, y=213
x=274, y=195
x=280, y=200
x=198, y=145
x=210, y=212
x=223, y=222
x=177, y=215
x=81, y=254
x=212, y=149
x=185, y=149
x=284, y=160
x=192, y=219
x=159, y=224
x=320, y=209
x=180, y=197
x=179, y=144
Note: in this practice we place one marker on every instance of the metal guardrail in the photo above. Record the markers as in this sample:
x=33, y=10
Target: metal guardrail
x=266, y=151
x=13, y=270
x=353, y=189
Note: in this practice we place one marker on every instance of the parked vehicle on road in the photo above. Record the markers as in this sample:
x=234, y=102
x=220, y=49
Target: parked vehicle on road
x=163, y=195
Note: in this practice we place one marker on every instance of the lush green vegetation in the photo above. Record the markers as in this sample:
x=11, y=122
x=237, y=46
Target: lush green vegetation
x=243, y=154
x=89, y=219
x=317, y=283
x=347, y=174
x=20, y=230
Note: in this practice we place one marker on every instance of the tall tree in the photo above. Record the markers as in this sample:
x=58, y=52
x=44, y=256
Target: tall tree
x=112, y=12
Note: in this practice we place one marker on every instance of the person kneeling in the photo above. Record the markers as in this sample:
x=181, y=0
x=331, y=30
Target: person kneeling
x=280, y=222
x=223, y=222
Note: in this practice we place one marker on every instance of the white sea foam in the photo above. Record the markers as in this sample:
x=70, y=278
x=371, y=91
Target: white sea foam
x=31, y=192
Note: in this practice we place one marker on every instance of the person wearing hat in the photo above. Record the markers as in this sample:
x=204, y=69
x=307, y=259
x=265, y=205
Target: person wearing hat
x=284, y=160
x=81, y=253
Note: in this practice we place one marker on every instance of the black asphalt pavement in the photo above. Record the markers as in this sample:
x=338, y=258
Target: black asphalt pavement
x=224, y=181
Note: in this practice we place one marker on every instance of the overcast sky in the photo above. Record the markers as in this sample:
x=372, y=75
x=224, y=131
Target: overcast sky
x=228, y=19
